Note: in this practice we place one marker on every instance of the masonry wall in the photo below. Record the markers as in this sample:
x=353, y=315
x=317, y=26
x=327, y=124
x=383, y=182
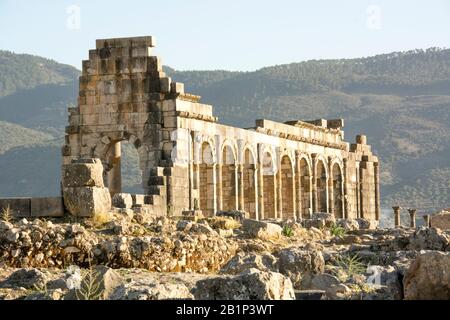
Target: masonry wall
x=190, y=161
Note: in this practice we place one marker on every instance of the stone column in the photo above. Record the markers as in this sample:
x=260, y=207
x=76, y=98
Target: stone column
x=219, y=187
x=377, y=190
x=255, y=180
x=396, y=216
x=115, y=175
x=344, y=190
x=298, y=187
x=279, y=189
x=311, y=197
x=236, y=189
x=426, y=218
x=241, y=187
x=330, y=189
x=412, y=216
x=214, y=185
x=261, y=191
x=294, y=193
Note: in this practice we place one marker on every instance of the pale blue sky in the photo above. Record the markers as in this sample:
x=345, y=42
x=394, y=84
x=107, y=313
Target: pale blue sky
x=232, y=35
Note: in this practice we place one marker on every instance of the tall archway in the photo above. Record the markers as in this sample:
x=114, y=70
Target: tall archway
x=229, y=176
x=249, y=184
x=287, y=188
x=305, y=188
x=269, y=185
x=321, y=186
x=206, y=181
x=337, y=191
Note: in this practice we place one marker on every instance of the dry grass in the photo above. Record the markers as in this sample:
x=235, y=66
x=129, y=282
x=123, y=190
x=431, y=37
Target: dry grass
x=100, y=219
x=7, y=215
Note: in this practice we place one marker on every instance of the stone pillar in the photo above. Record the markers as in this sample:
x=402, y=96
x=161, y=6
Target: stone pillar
x=241, y=187
x=377, y=190
x=344, y=190
x=214, y=185
x=279, y=192
x=426, y=218
x=412, y=216
x=311, y=197
x=255, y=180
x=260, y=191
x=396, y=217
x=196, y=201
x=114, y=175
x=294, y=193
x=298, y=187
x=236, y=189
x=330, y=188
x=219, y=187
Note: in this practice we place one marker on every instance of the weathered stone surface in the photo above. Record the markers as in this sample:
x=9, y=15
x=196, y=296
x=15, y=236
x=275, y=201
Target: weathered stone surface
x=320, y=220
x=441, y=220
x=324, y=281
x=429, y=239
x=235, y=214
x=389, y=277
x=149, y=290
x=25, y=278
x=105, y=281
x=87, y=201
x=122, y=200
x=428, y=277
x=310, y=294
x=251, y=285
x=242, y=262
x=47, y=207
x=300, y=266
x=82, y=175
x=262, y=230
x=367, y=223
x=348, y=224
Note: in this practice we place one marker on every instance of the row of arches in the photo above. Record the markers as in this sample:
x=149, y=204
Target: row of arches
x=291, y=188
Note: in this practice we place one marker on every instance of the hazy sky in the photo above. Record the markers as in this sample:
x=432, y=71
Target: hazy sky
x=232, y=34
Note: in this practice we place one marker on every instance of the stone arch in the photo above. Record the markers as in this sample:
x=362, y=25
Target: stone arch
x=228, y=178
x=287, y=187
x=305, y=186
x=206, y=178
x=321, y=181
x=269, y=184
x=338, y=192
x=249, y=182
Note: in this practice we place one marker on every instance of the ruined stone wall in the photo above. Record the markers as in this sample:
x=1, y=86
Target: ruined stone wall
x=189, y=161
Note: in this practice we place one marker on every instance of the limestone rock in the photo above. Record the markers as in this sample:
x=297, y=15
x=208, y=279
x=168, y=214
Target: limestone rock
x=441, y=220
x=235, y=214
x=25, y=278
x=388, y=277
x=262, y=230
x=122, y=200
x=301, y=265
x=320, y=220
x=348, y=224
x=242, y=262
x=85, y=202
x=428, y=277
x=82, y=175
x=143, y=289
x=429, y=239
x=324, y=281
x=251, y=285
x=366, y=223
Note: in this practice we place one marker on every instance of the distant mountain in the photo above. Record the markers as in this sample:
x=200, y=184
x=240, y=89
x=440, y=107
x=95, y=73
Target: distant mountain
x=400, y=100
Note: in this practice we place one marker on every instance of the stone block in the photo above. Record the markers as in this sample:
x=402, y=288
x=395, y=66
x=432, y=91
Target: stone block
x=122, y=200
x=441, y=220
x=47, y=207
x=262, y=230
x=79, y=174
x=87, y=201
x=20, y=207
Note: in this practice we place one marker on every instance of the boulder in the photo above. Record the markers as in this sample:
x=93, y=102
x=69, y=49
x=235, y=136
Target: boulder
x=428, y=239
x=242, y=262
x=250, y=285
x=348, y=224
x=83, y=174
x=202, y=229
x=324, y=281
x=389, y=277
x=143, y=289
x=262, y=230
x=366, y=223
x=235, y=214
x=310, y=295
x=25, y=278
x=301, y=266
x=320, y=220
x=87, y=201
x=122, y=200
x=428, y=277
x=441, y=220
x=105, y=280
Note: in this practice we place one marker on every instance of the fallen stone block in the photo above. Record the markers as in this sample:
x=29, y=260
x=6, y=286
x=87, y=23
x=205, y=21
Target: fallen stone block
x=83, y=174
x=122, y=200
x=85, y=202
x=441, y=220
x=262, y=230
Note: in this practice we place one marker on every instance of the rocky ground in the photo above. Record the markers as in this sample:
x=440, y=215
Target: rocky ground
x=124, y=255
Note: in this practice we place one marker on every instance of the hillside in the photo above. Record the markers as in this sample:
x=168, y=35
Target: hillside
x=400, y=100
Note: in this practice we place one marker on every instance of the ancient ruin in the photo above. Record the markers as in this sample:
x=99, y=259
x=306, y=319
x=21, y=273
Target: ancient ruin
x=189, y=161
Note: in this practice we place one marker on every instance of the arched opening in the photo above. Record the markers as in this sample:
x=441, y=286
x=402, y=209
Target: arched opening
x=321, y=187
x=130, y=169
x=122, y=169
x=287, y=188
x=305, y=189
x=337, y=191
x=229, y=176
x=206, y=181
x=269, y=185
x=249, y=184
